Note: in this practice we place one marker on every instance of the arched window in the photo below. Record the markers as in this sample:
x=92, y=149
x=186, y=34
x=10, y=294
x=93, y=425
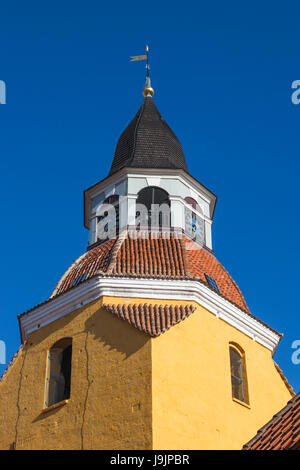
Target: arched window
x=157, y=208
x=238, y=374
x=194, y=223
x=59, y=372
x=110, y=219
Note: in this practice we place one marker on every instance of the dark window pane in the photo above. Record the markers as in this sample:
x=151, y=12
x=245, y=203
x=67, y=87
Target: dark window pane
x=238, y=379
x=111, y=228
x=66, y=370
x=158, y=196
x=212, y=282
x=59, y=370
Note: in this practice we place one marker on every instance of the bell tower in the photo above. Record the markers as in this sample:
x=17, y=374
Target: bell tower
x=146, y=341
x=149, y=170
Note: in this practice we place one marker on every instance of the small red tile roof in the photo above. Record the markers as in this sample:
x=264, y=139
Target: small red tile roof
x=282, y=432
x=151, y=319
x=153, y=255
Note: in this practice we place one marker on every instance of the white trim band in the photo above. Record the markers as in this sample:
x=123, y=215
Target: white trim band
x=187, y=290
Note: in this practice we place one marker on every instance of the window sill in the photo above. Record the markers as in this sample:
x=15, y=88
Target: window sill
x=56, y=405
x=241, y=403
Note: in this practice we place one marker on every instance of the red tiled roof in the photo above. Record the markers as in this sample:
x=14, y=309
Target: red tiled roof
x=154, y=255
x=161, y=254
x=282, y=432
x=200, y=262
x=89, y=263
x=151, y=319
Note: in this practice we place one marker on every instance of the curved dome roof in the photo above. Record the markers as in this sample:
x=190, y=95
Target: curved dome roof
x=148, y=142
x=155, y=255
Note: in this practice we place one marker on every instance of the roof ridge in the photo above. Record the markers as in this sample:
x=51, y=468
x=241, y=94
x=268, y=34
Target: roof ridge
x=59, y=283
x=112, y=259
x=93, y=254
x=141, y=110
x=185, y=257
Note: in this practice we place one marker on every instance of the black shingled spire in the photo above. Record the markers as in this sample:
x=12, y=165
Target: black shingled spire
x=148, y=142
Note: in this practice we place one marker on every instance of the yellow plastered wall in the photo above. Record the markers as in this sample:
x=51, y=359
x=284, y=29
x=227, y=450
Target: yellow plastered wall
x=131, y=391
x=192, y=406
x=110, y=403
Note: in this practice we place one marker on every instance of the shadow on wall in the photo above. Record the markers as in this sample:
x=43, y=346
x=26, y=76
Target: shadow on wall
x=115, y=333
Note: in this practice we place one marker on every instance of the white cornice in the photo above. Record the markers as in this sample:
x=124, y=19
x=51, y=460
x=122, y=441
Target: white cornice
x=187, y=290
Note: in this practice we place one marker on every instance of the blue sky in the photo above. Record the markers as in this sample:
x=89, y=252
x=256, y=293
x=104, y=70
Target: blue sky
x=222, y=73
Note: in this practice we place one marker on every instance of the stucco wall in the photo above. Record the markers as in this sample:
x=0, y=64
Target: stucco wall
x=191, y=386
x=130, y=391
x=110, y=403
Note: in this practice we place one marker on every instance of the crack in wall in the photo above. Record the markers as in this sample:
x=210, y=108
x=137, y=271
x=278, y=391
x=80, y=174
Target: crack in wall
x=87, y=391
x=18, y=400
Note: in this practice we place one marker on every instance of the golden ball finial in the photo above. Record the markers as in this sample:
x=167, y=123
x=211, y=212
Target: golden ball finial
x=148, y=90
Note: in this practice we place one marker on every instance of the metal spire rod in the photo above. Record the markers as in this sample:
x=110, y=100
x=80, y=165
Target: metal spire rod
x=148, y=90
x=147, y=65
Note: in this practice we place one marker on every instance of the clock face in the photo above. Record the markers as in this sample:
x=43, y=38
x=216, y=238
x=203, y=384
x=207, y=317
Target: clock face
x=194, y=226
x=108, y=223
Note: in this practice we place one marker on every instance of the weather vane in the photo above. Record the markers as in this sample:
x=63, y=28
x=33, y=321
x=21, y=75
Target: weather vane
x=148, y=90
x=142, y=57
